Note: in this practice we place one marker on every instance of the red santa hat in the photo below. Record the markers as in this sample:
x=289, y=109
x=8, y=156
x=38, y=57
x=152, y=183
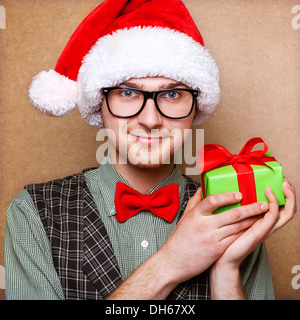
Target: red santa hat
x=120, y=40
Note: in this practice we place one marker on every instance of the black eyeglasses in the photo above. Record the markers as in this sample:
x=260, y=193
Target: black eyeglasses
x=124, y=102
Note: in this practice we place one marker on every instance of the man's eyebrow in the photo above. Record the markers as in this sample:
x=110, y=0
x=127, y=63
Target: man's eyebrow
x=161, y=87
x=131, y=85
x=173, y=85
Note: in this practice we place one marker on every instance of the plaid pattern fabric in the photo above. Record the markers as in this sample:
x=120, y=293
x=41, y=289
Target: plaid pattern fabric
x=82, y=252
x=196, y=288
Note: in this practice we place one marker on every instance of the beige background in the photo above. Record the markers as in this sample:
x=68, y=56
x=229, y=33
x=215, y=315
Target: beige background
x=257, y=51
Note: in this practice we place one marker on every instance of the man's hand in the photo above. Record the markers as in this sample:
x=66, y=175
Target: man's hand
x=200, y=237
x=226, y=269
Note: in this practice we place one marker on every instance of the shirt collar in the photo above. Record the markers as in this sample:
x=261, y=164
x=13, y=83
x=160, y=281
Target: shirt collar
x=109, y=176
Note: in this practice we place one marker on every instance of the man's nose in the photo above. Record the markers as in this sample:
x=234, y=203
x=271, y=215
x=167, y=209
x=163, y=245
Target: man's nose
x=150, y=116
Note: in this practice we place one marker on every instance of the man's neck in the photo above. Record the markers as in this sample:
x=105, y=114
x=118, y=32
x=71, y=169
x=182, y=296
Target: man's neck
x=144, y=179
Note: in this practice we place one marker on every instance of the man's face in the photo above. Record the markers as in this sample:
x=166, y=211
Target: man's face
x=148, y=139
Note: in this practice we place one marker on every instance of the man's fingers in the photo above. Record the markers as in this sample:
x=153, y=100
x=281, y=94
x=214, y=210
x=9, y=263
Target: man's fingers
x=227, y=241
x=287, y=212
x=217, y=200
x=243, y=212
x=194, y=200
x=213, y=202
x=273, y=205
x=237, y=227
x=262, y=228
x=290, y=196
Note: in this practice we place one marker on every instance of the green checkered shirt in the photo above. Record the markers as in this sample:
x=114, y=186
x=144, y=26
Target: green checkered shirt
x=30, y=272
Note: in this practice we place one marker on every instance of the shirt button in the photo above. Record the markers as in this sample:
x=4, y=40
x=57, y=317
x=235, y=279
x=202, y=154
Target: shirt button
x=145, y=244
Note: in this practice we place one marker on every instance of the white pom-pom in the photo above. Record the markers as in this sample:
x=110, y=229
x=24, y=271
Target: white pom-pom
x=53, y=93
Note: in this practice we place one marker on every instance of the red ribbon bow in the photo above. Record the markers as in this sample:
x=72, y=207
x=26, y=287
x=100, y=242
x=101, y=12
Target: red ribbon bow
x=214, y=156
x=163, y=202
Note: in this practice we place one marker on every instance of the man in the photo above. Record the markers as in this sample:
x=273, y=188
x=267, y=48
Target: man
x=140, y=70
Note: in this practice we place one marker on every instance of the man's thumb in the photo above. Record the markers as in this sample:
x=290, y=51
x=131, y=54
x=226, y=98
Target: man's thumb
x=194, y=200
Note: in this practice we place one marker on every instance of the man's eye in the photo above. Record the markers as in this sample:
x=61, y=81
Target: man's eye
x=127, y=93
x=171, y=95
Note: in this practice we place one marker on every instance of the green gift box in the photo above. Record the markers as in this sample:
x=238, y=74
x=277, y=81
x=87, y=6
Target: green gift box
x=249, y=172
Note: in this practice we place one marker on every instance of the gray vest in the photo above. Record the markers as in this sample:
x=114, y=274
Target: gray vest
x=82, y=252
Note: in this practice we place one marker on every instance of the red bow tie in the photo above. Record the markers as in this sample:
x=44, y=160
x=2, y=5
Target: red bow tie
x=163, y=202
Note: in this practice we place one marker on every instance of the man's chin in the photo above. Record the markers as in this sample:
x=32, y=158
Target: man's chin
x=148, y=160
x=146, y=156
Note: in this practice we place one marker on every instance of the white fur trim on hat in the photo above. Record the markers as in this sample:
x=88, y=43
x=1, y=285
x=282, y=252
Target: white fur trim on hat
x=146, y=52
x=53, y=93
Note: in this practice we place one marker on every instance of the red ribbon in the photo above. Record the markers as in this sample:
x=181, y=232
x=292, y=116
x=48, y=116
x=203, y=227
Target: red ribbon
x=214, y=156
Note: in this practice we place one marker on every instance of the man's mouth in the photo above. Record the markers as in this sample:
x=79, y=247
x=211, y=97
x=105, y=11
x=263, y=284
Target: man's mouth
x=148, y=139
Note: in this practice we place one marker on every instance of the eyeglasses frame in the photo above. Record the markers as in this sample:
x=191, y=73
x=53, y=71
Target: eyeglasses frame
x=150, y=95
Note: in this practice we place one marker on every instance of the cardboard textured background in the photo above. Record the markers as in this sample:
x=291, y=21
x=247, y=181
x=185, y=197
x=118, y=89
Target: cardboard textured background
x=256, y=49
